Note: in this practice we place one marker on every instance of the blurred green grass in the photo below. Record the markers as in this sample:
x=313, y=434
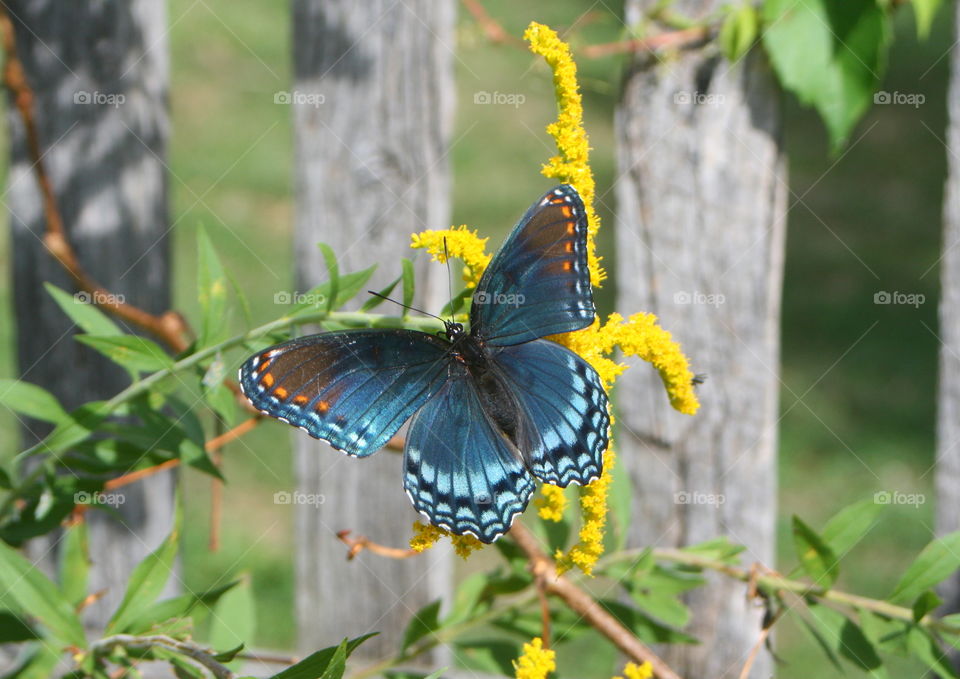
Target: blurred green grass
x=866, y=374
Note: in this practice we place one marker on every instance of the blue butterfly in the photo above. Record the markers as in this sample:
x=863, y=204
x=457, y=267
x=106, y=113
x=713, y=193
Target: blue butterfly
x=492, y=408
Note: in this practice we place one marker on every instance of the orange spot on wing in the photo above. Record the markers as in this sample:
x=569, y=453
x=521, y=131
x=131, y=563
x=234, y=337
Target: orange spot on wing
x=264, y=363
x=267, y=380
x=568, y=246
x=571, y=227
x=567, y=212
x=322, y=407
x=567, y=266
x=300, y=400
x=281, y=393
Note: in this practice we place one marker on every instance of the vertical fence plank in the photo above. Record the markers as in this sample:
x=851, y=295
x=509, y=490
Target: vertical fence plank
x=100, y=75
x=372, y=109
x=700, y=237
x=948, y=399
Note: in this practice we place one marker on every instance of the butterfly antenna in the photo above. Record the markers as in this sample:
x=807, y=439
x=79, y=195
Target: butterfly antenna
x=411, y=308
x=446, y=258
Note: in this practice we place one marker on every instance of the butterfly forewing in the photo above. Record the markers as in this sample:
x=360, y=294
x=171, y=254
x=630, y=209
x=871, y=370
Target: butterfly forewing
x=538, y=284
x=352, y=388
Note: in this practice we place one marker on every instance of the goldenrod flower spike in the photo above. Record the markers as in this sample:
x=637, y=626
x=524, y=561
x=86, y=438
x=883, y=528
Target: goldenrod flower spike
x=426, y=536
x=634, y=671
x=462, y=243
x=551, y=503
x=536, y=662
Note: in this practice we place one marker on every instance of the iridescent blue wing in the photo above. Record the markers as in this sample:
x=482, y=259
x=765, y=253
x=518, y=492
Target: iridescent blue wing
x=459, y=470
x=352, y=388
x=564, y=407
x=538, y=284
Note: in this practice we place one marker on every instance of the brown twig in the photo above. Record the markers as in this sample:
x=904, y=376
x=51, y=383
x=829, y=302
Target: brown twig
x=542, y=566
x=682, y=38
x=491, y=27
x=361, y=543
x=545, y=634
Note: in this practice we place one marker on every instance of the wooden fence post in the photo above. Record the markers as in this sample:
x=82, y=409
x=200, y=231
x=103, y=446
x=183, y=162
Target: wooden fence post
x=100, y=75
x=701, y=201
x=372, y=106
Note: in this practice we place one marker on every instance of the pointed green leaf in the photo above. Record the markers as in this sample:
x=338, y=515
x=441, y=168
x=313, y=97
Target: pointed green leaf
x=234, y=617
x=211, y=292
x=926, y=649
x=925, y=11
x=25, y=589
x=79, y=309
x=845, y=637
x=848, y=526
x=738, y=31
x=333, y=272
x=228, y=656
x=14, y=628
x=317, y=664
x=423, y=623
x=938, y=560
x=130, y=351
x=925, y=603
x=147, y=581
x=376, y=301
x=817, y=559
x=75, y=563
x=28, y=399
x=409, y=283
x=193, y=606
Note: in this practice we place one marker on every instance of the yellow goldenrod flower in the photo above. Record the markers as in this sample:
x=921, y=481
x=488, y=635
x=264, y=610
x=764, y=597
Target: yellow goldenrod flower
x=551, y=503
x=634, y=671
x=536, y=662
x=426, y=536
x=593, y=506
x=461, y=243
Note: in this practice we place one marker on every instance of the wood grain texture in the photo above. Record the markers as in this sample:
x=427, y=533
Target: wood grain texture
x=372, y=108
x=947, y=479
x=701, y=202
x=100, y=74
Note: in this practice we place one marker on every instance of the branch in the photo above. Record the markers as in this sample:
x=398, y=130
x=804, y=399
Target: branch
x=189, y=649
x=676, y=39
x=361, y=543
x=542, y=566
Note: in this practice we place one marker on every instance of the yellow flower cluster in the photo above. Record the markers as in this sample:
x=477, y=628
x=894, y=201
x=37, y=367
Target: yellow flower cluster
x=426, y=536
x=536, y=662
x=551, y=503
x=634, y=671
x=593, y=507
x=461, y=243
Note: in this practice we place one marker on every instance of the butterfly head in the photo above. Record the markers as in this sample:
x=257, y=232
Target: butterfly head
x=453, y=331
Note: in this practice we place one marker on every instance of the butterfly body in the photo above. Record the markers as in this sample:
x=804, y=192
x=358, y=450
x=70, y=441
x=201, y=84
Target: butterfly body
x=492, y=408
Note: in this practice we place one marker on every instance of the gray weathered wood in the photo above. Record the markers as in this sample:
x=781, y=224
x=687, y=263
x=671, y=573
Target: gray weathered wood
x=700, y=235
x=948, y=399
x=100, y=75
x=372, y=109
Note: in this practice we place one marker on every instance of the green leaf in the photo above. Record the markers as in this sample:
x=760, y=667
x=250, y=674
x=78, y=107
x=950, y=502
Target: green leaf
x=466, y=598
x=925, y=10
x=620, y=502
x=194, y=606
x=33, y=401
x=318, y=664
x=830, y=54
x=87, y=316
x=926, y=602
x=643, y=626
x=228, y=656
x=926, y=649
x=75, y=563
x=717, y=549
x=845, y=637
x=333, y=271
x=376, y=300
x=817, y=559
x=14, y=628
x=38, y=665
x=938, y=560
x=426, y=621
x=738, y=31
x=848, y=526
x=234, y=617
x=130, y=351
x=408, y=283
x=24, y=588
x=211, y=292
x=147, y=581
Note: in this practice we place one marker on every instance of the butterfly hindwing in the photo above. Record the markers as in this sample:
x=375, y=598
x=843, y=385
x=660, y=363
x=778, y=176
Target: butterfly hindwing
x=459, y=470
x=538, y=283
x=352, y=388
x=564, y=408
